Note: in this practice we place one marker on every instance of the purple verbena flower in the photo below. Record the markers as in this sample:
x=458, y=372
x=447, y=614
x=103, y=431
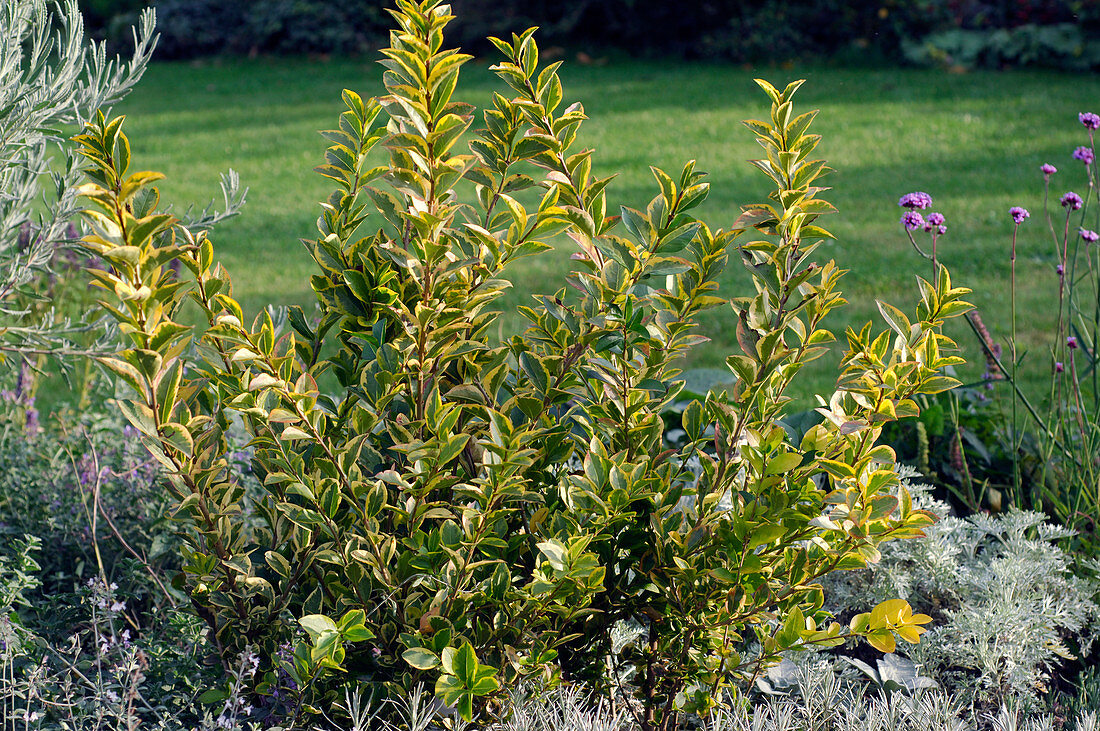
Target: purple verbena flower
x=1090, y=120
x=1072, y=201
x=1060, y=270
x=1071, y=342
x=1059, y=367
x=1084, y=154
x=935, y=219
x=912, y=220
x=1019, y=215
x=1048, y=169
x=916, y=200
x=942, y=230
x=1090, y=236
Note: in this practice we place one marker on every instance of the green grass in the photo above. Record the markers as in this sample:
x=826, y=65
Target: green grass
x=974, y=141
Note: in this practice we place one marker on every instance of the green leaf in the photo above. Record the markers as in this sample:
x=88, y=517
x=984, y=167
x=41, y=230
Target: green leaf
x=453, y=448
x=639, y=226
x=357, y=634
x=465, y=706
x=536, y=371
x=316, y=625
x=938, y=384
x=214, y=695
x=816, y=206
x=692, y=420
x=420, y=658
x=127, y=372
x=292, y=432
x=465, y=665
x=783, y=463
x=766, y=534
x=725, y=575
x=449, y=689
x=895, y=318
x=554, y=552
x=177, y=436
x=278, y=564
x=485, y=685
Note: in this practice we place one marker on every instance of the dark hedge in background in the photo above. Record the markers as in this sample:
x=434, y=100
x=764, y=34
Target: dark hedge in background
x=730, y=30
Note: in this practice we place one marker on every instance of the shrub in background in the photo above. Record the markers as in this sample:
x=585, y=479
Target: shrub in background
x=1061, y=45
x=293, y=26
x=99, y=14
x=192, y=28
x=1018, y=32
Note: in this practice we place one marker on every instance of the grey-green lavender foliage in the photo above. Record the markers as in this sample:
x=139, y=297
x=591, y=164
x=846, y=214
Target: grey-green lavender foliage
x=49, y=79
x=1007, y=608
x=52, y=81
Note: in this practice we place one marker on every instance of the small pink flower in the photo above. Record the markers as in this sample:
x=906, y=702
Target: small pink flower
x=914, y=201
x=1072, y=201
x=912, y=220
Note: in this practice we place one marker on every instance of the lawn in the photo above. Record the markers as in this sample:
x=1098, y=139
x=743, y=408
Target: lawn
x=973, y=141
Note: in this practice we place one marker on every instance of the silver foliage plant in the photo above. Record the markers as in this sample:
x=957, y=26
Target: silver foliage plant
x=822, y=702
x=52, y=81
x=1007, y=607
x=818, y=700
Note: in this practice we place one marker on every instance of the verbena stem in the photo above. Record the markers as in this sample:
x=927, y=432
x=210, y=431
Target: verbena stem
x=1015, y=361
x=1019, y=393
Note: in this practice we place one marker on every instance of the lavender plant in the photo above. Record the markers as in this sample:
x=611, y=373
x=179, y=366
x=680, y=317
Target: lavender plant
x=90, y=632
x=88, y=489
x=111, y=669
x=469, y=513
